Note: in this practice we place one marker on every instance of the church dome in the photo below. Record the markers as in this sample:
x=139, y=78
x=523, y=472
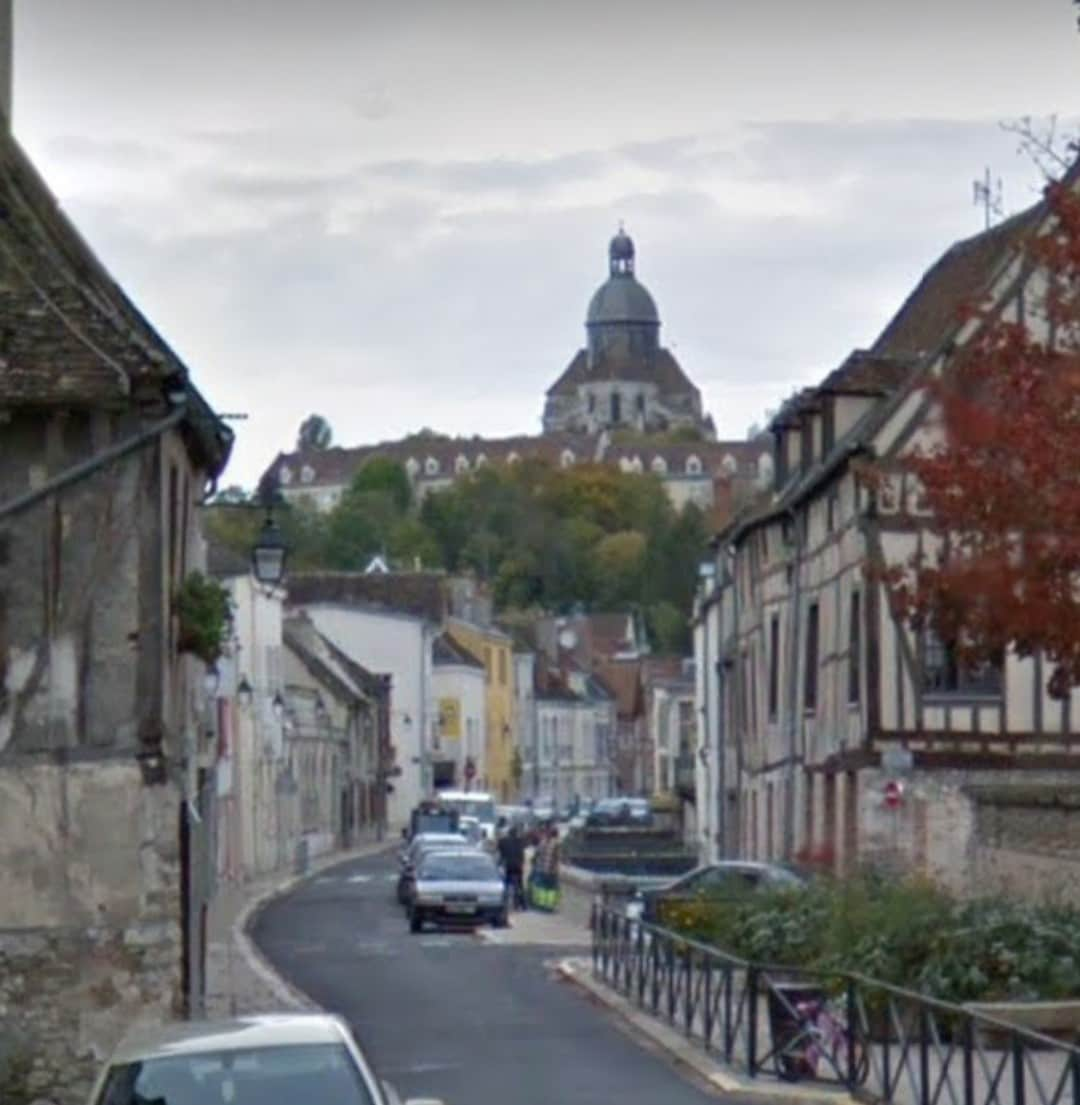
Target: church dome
x=621, y=298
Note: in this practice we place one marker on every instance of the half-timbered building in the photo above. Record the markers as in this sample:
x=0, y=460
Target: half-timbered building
x=829, y=728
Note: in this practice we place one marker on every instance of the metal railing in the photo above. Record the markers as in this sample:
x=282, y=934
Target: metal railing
x=881, y=1042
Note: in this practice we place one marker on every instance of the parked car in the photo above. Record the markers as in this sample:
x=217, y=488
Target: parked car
x=622, y=812
x=416, y=848
x=458, y=887
x=727, y=879
x=272, y=1059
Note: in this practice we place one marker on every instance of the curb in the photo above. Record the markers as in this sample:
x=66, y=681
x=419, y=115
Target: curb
x=290, y=996
x=723, y=1080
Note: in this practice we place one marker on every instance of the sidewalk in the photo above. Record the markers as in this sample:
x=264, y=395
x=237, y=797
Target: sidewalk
x=238, y=979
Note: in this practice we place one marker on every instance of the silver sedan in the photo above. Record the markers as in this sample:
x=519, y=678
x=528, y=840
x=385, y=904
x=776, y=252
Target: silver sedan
x=458, y=887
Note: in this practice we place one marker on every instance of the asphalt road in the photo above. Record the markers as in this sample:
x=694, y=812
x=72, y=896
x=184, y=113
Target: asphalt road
x=449, y=1015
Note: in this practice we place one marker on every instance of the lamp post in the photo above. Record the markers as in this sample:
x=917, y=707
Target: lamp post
x=269, y=552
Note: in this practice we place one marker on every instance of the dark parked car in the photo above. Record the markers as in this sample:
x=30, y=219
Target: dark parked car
x=729, y=879
x=620, y=812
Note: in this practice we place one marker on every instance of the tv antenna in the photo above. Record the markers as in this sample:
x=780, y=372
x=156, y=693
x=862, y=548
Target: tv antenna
x=988, y=194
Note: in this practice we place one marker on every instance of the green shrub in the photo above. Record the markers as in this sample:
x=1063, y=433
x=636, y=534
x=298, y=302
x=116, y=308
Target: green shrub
x=906, y=932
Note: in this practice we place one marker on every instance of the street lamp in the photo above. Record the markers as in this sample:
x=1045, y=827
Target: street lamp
x=268, y=554
x=244, y=693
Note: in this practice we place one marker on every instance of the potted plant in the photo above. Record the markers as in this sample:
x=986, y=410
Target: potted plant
x=204, y=615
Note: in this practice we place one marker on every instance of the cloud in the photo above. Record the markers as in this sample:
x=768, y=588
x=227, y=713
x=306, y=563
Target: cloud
x=400, y=292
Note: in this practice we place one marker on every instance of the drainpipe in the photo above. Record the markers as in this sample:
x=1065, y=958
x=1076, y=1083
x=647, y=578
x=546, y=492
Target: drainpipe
x=736, y=732
x=793, y=691
x=706, y=735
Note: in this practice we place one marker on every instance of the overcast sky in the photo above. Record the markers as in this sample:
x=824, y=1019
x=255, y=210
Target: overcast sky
x=393, y=212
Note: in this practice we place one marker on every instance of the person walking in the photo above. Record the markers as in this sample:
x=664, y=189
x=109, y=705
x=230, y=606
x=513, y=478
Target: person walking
x=545, y=875
x=512, y=857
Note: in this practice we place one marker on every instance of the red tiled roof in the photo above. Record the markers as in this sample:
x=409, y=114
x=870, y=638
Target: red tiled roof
x=623, y=679
x=959, y=278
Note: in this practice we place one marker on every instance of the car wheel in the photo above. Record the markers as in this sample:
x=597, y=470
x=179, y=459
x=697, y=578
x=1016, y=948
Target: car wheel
x=416, y=921
x=501, y=919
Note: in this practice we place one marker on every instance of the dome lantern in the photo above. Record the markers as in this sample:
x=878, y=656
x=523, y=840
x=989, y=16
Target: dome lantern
x=621, y=254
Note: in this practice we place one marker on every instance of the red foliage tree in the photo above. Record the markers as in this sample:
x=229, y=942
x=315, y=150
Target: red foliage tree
x=1003, y=489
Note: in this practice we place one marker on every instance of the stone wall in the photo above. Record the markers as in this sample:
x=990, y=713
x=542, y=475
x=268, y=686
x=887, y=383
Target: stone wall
x=90, y=939
x=1028, y=841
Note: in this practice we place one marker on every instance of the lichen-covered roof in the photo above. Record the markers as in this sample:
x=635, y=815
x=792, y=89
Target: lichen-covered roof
x=417, y=594
x=69, y=335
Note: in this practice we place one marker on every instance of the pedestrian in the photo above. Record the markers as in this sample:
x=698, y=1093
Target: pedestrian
x=545, y=874
x=512, y=857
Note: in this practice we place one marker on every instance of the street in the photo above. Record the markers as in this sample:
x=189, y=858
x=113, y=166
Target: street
x=451, y=1015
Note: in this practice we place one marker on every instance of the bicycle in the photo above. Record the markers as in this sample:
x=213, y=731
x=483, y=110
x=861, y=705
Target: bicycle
x=822, y=1035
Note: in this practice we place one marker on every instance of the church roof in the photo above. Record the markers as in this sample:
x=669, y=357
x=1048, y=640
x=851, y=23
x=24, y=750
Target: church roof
x=621, y=299
x=664, y=371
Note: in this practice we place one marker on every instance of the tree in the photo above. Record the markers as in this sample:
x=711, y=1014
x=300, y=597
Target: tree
x=315, y=433
x=387, y=477
x=1000, y=566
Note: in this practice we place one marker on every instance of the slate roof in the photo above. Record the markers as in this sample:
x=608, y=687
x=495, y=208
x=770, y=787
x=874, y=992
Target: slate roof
x=69, y=335
x=868, y=373
x=445, y=650
x=665, y=372
x=417, y=594
x=325, y=662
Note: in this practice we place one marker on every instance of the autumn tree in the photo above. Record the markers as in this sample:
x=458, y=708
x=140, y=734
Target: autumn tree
x=1000, y=567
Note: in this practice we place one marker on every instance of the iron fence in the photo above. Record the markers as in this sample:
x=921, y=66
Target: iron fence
x=882, y=1042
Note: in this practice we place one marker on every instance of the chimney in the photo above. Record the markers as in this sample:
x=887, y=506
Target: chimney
x=7, y=50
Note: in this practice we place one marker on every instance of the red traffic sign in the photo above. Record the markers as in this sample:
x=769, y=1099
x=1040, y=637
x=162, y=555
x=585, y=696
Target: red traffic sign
x=893, y=793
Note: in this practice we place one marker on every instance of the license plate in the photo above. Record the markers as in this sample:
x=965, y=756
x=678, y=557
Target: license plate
x=461, y=909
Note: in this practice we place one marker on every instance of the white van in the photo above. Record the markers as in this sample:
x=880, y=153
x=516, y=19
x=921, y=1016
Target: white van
x=473, y=803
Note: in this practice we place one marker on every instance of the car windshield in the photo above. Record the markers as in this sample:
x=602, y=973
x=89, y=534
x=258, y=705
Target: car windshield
x=314, y=1074
x=480, y=808
x=465, y=867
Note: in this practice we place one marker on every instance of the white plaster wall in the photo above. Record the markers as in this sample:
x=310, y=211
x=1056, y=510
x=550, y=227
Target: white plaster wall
x=401, y=647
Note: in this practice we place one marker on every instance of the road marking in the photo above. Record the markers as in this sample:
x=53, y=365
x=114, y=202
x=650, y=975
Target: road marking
x=359, y=878
x=436, y=942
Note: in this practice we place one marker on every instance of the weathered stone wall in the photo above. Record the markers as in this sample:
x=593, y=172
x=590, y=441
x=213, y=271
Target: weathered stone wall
x=1016, y=833
x=90, y=939
x=1028, y=841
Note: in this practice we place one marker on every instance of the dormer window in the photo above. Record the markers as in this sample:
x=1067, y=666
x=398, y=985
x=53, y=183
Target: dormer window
x=659, y=466
x=729, y=465
x=636, y=465
x=693, y=465
x=512, y=458
x=481, y=460
x=307, y=474
x=567, y=459
x=412, y=466
x=431, y=467
x=461, y=464
x=626, y=464
x=765, y=470
x=285, y=474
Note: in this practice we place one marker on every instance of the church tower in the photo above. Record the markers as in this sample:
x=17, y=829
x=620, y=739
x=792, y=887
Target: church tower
x=623, y=379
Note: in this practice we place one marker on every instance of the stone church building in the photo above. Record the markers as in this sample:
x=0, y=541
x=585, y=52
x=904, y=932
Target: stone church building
x=623, y=400
x=624, y=378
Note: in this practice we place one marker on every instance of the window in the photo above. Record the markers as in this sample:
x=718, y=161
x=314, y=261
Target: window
x=774, y=667
x=945, y=673
x=592, y=402
x=461, y=464
x=481, y=460
x=512, y=458
x=285, y=474
x=729, y=465
x=659, y=465
x=502, y=666
x=567, y=458
x=431, y=466
x=854, y=670
x=693, y=465
x=307, y=474
x=811, y=675
x=640, y=403
x=616, y=407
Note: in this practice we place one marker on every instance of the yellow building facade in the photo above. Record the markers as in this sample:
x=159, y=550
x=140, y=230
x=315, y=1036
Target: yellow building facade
x=496, y=649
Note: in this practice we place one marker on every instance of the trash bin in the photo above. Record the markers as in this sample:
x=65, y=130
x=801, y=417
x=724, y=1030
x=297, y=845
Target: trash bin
x=785, y=1026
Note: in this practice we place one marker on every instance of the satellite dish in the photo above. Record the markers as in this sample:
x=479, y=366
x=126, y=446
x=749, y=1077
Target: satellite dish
x=567, y=638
